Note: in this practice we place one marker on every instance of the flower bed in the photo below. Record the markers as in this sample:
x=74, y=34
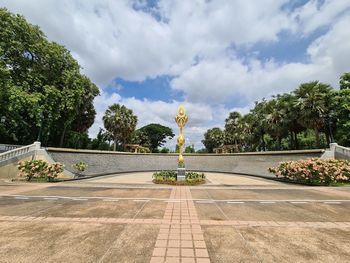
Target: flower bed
x=169, y=177
x=314, y=171
x=39, y=170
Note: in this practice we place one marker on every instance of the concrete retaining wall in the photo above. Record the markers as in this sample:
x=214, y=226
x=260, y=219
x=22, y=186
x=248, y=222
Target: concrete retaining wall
x=102, y=162
x=340, y=152
x=9, y=169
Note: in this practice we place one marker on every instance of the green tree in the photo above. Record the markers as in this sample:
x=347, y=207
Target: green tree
x=120, y=122
x=342, y=107
x=190, y=149
x=157, y=134
x=255, y=127
x=276, y=122
x=102, y=141
x=140, y=137
x=314, y=99
x=291, y=116
x=345, y=81
x=203, y=150
x=213, y=138
x=164, y=150
x=43, y=93
x=234, y=129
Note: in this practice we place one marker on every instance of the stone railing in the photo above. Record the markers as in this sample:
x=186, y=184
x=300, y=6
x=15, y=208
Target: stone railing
x=5, y=157
x=340, y=152
x=8, y=147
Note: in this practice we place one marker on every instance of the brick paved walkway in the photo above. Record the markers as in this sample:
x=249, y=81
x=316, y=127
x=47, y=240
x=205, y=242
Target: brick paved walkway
x=180, y=237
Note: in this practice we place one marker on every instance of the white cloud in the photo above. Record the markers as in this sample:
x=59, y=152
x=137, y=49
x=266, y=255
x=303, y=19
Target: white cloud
x=331, y=51
x=196, y=42
x=111, y=39
x=312, y=15
x=223, y=79
x=201, y=116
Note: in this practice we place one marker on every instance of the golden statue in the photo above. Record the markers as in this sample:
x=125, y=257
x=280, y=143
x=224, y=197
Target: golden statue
x=181, y=120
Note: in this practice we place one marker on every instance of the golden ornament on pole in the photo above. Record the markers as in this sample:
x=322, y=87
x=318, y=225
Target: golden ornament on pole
x=181, y=119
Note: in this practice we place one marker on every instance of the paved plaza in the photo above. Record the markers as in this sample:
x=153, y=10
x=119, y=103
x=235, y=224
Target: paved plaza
x=126, y=218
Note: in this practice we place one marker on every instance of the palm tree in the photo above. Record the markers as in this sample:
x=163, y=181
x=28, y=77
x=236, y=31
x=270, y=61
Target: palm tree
x=233, y=129
x=313, y=103
x=276, y=120
x=120, y=122
x=291, y=117
x=256, y=119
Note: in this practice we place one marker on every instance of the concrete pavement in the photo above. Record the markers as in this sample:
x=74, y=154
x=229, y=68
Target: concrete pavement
x=119, y=219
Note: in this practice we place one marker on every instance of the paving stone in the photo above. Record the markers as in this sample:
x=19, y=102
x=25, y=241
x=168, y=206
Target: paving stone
x=157, y=260
x=173, y=252
x=159, y=252
x=172, y=260
x=203, y=253
x=186, y=243
x=187, y=252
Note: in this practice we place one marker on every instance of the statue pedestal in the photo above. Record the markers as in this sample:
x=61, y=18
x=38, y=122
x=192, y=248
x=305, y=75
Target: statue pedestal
x=181, y=174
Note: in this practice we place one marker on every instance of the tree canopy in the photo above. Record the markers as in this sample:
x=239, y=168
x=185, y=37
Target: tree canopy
x=120, y=122
x=157, y=135
x=213, y=138
x=345, y=81
x=311, y=116
x=42, y=92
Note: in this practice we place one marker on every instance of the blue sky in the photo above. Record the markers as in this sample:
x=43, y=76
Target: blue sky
x=213, y=56
x=157, y=88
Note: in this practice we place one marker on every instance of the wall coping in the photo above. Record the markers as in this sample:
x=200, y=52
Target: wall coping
x=69, y=150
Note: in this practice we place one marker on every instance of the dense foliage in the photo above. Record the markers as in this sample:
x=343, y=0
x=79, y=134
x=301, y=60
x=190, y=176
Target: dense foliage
x=39, y=169
x=213, y=138
x=311, y=116
x=120, y=122
x=156, y=135
x=43, y=95
x=169, y=177
x=314, y=171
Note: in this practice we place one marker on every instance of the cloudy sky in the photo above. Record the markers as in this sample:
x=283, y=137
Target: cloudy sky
x=213, y=56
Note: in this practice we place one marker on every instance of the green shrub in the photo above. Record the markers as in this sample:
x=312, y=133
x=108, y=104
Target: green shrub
x=314, y=171
x=80, y=166
x=169, y=177
x=39, y=169
x=195, y=177
x=144, y=150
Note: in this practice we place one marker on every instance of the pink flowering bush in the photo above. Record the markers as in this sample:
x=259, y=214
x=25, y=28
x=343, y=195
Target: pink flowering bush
x=39, y=169
x=314, y=171
x=54, y=170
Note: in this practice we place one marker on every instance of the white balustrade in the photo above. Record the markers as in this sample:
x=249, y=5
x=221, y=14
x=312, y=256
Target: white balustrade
x=19, y=151
x=343, y=151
